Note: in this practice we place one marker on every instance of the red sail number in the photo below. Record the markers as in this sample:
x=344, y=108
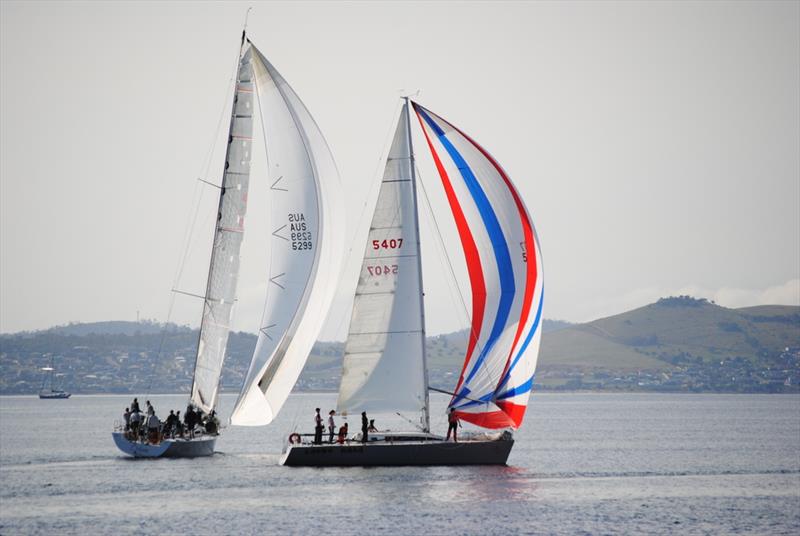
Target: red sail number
x=390, y=243
x=382, y=270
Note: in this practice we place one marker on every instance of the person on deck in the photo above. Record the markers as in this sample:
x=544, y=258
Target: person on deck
x=190, y=419
x=136, y=419
x=178, y=423
x=452, y=418
x=153, y=425
x=342, y=433
x=331, y=425
x=127, y=417
x=150, y=410
x=372, y=426
x=317, y=428
x=135, y=406
x=170, y=424
x=364, y=427
x=212, y=423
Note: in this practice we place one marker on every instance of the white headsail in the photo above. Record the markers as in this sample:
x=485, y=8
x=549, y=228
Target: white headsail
x=384, y=363
x=224, y=269
x=306, y=246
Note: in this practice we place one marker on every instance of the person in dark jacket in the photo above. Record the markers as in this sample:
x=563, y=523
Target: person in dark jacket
x=364, y=427
x=317, y=428
x=190, y=420
x=170, y=424
x=454, y=423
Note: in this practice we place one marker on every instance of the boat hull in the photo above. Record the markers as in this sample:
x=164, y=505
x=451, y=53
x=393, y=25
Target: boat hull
x=168, y=448
x=493, y=452
x=54, y=396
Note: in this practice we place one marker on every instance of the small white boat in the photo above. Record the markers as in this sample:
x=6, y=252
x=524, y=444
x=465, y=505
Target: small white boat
x=48, y=390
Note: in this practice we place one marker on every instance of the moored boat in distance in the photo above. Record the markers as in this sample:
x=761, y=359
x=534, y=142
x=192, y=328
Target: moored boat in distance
x=48, y=390
x=54, y=394
x=385, y=368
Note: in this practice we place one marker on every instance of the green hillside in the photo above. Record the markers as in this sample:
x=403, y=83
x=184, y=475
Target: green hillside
x=672, y=330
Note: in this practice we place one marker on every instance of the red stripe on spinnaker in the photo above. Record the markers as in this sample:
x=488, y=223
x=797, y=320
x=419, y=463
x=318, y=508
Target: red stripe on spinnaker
x=530, y=250
x=474, y=267
x=509, y=416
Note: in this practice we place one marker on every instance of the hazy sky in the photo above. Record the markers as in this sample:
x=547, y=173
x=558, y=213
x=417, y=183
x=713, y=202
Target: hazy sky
x=657, y=145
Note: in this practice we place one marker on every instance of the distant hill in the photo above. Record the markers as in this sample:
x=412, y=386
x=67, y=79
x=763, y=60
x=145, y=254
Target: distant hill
x=116, y=327
x=671, y=331
x=676, y=344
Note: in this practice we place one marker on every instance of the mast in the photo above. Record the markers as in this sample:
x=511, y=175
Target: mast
x=228, y=233
x=426, y=415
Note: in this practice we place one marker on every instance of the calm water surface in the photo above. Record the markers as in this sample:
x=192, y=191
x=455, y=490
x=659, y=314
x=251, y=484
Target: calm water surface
x=582, y=464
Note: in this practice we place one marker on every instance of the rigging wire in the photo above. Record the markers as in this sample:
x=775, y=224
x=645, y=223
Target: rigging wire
x=189, y=236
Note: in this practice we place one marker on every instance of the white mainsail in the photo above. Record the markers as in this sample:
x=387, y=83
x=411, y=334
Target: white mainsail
x=384, y=357
x=223, y=272
x=306, y=246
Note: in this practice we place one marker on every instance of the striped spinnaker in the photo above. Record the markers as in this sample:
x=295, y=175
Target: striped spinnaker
x=504, y=264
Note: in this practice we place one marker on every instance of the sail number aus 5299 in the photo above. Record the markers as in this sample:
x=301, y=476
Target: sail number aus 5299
x=390, y=243
x=382, y=269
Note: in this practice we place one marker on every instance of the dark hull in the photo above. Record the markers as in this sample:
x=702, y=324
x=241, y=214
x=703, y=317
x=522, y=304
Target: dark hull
x=168, y=448
x=53, y=396
x=386, y=454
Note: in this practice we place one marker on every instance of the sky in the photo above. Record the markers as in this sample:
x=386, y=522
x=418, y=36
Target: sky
x=656, y=145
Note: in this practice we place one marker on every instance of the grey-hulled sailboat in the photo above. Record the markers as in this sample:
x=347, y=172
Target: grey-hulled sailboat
x=384, y=368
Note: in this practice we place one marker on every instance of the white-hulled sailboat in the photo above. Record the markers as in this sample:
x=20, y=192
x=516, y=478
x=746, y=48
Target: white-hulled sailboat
x=384, y=368
x=48, y=389
x=305, y=254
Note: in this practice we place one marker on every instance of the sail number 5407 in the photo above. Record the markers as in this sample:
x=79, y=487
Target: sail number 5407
x=391, y=243
x=382, y=269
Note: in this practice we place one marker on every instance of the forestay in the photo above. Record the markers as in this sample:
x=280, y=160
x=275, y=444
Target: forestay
x=384, y=365
x=504, y=264
x=305, y=246
x=223, y=272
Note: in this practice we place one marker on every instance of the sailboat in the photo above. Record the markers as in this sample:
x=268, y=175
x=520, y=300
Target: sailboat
x=384, y=367
x=305, y=254
x=48, y=389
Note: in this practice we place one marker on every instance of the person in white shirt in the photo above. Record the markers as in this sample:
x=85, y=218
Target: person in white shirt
x=153, y=424
x=331, y=425
x=136, y=420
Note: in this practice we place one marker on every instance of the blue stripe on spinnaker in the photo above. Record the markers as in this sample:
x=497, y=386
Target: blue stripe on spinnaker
x=499, y=244
x=460, y=396
x=519, y=390
x=525, y=344
x=485, y=399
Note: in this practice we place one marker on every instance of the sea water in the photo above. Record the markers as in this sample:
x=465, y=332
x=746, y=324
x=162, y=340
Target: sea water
x=582, y=464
